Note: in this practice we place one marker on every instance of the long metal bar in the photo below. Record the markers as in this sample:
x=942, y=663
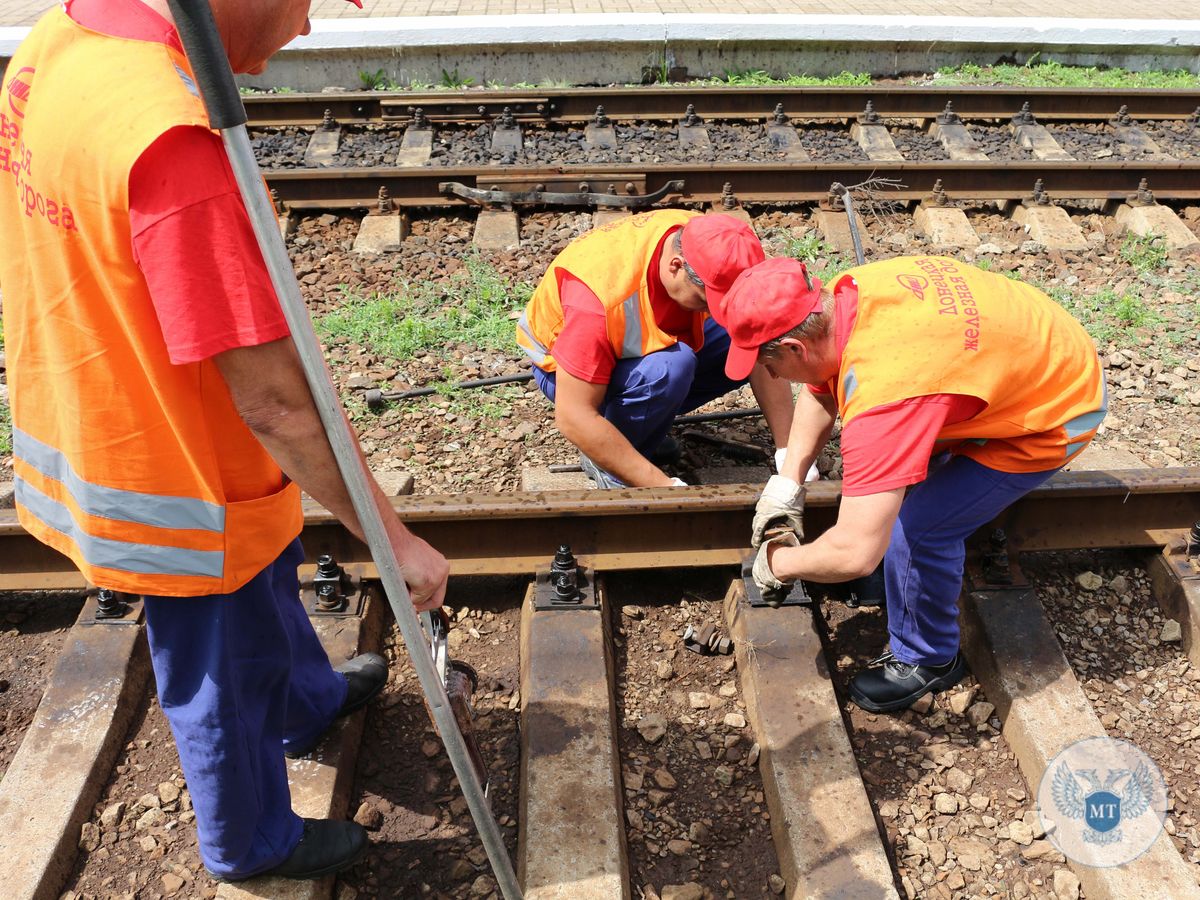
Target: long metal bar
x=207, y=54
x=343, y=188
x=572, y=105
x=647, y=528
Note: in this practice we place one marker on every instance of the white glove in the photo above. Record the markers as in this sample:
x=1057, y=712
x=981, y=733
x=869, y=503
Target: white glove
x=781, y=503
x=768, y=584
x=781, y=454
x=678, y=482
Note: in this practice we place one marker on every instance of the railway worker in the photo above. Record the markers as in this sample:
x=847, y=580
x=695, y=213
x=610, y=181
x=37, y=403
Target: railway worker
x=921, y=357
x=162, y=425
x=621, y=344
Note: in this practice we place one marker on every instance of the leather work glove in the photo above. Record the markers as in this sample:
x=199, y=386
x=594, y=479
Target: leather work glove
x=814, y=474
x=781, y=503
x=772, y=588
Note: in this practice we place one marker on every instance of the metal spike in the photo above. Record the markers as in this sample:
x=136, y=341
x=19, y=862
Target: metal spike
x=780, y=117
x=328, y=122
x=869, y=116
x=385, y=200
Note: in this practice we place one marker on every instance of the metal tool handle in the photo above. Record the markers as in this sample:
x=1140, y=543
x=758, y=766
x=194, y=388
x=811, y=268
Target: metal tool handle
x=210, y=64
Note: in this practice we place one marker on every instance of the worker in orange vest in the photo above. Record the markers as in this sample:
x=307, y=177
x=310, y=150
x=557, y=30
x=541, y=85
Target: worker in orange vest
x=162, y=425
x=623, y=334
x=959, y=391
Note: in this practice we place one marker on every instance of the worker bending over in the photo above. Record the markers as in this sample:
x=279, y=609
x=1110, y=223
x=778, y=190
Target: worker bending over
x=621, y=338
x=162, y=425
x=921, y=357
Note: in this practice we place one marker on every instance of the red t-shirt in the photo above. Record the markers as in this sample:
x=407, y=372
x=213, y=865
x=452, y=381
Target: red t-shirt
x=583, y=349
x=889, y=446
x=192, y=238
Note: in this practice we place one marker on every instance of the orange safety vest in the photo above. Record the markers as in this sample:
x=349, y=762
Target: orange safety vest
x=932, y=325
x=142, y=472
x=613, y=260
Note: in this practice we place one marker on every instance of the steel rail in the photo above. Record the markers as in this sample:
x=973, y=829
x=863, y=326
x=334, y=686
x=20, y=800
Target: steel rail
x=646, y=528
x=776, y=182
x=570, y=105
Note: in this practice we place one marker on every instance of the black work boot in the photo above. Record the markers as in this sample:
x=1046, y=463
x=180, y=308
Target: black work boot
x=325, y=847
x=667, y=453
x=896, y=685
x=365, y=676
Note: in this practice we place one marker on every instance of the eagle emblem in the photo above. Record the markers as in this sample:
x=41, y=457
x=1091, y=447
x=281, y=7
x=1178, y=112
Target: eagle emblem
x=1103, y=806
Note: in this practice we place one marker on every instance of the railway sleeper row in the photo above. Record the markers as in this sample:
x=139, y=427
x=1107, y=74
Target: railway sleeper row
x=945, y=225
x=579, y=757
x=868, y=130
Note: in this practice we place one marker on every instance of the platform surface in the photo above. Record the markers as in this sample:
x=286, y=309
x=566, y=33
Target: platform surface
x=26, y=12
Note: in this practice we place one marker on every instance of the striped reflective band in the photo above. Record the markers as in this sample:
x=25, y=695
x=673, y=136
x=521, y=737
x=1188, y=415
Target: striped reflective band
x=114, y=503
x=631, y=343
x=1087, y=422
x=125, y=556
x=535, y=349
x=849, y=385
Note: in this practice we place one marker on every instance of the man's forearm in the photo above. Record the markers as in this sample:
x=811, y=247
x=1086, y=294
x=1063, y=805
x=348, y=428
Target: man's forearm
x=604, y=445
x=774, y=396
x=812, y=425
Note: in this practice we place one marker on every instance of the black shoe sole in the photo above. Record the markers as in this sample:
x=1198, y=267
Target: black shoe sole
x=330, y=869
x=933, y=686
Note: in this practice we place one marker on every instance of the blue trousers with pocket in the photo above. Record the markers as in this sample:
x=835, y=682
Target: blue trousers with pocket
x=241, y=677
x=923, y=566
x=647, y=392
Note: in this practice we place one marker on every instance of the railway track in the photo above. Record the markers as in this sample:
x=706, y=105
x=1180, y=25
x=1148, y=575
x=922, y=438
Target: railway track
x=586, y=744
x=936, y=149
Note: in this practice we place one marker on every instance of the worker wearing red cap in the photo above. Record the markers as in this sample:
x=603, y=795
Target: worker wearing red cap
x=162, y=425
x=958, y=390
x=621, y=341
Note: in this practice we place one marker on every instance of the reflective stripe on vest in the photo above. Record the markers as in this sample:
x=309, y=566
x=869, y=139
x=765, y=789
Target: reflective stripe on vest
x=631, y=341
x=124, y=556
x=1086, y=423
x=115, y=503
x=535, y=349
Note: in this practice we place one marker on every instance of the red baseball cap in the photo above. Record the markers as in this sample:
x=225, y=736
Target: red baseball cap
x=765, y=303
x=719, y=248
x=357, y=3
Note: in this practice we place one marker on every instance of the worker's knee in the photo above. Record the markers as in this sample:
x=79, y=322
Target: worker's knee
x=670, y=372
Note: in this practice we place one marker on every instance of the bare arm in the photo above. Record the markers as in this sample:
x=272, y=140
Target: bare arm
x=270, y=393
x=774, y=396
x=577, y=415
x=812, y=423
x=850, y=549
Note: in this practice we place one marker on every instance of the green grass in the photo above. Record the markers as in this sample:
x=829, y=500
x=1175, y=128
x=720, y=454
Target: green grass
x=1053, y=74
x=1145, y=254
x=454, y=80
x=376, y=81
x=758, y=77
x=1109, y=317
x=810, y=249
x=472, y=307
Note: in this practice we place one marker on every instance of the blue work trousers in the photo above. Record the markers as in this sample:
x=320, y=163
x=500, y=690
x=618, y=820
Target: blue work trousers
x=240, y=677
x=647, y=392
x=923, y=566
